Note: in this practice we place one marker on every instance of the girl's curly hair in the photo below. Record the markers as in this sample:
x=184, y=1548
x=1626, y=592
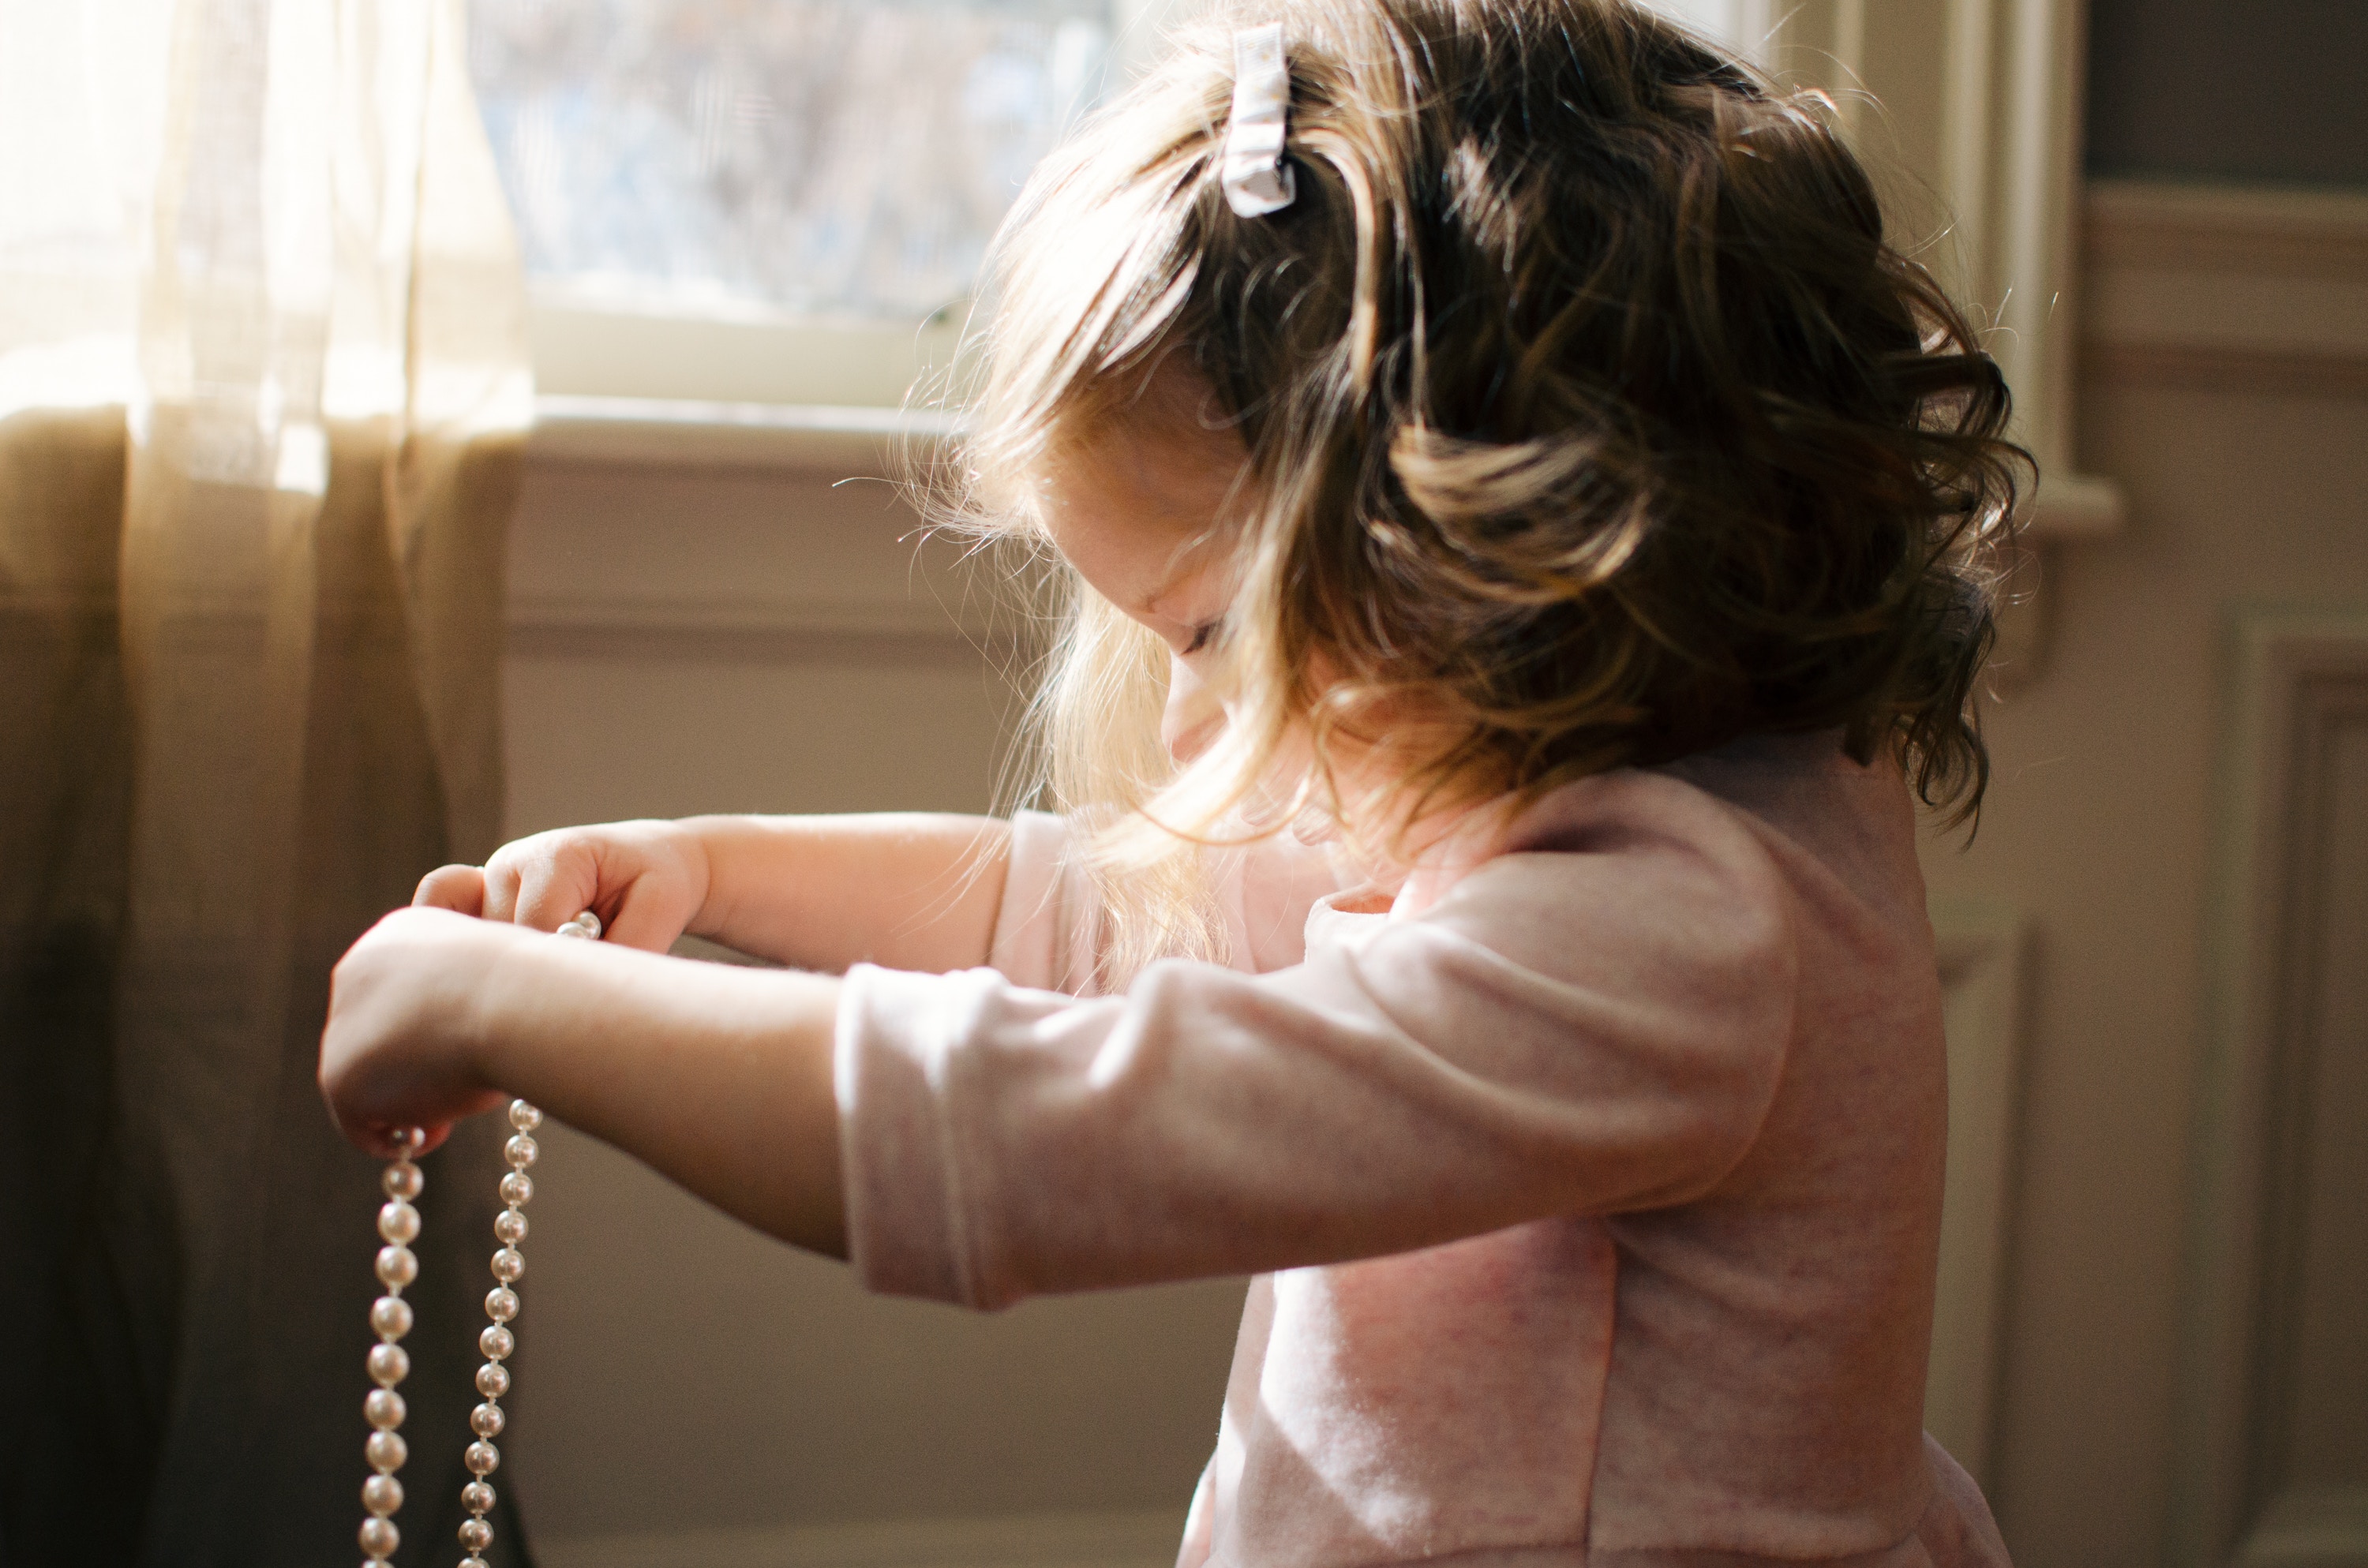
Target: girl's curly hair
x=1589, y=413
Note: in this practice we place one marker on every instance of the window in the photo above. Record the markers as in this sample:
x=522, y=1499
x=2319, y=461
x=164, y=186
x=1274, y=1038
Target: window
x=786, y=201
x=769, y=200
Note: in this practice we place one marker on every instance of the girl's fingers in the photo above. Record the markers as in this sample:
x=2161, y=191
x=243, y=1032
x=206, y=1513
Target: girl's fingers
x=525, y=883
x=555, y=888
x=460, y=889
x=501, y=888
x=647, y=918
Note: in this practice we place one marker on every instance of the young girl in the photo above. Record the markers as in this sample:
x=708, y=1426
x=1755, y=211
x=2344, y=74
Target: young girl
x=1554, y=521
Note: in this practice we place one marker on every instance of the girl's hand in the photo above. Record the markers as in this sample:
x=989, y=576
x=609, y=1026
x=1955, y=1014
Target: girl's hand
x=719, y=1076
x=646, y=881
x=404, y=1014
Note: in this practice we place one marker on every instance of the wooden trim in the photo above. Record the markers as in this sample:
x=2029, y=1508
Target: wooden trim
x=604, y=347
x=2300, y=677
x=2253, y=230
x=824, y=440
x=2071, y=506
x=1143, y=1539
x=1982, y=951
x=2235, y=290
x=828, y=633
x=2227, y=372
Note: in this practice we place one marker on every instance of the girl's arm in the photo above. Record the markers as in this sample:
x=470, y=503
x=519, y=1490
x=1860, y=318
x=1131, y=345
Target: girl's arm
x=1580, y=1031
x=906, y=890
x=718, y=1077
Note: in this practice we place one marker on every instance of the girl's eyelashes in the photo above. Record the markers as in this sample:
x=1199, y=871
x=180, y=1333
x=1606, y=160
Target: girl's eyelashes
x=1200, y=638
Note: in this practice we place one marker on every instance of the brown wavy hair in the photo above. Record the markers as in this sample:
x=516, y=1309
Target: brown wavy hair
x=1587, y=412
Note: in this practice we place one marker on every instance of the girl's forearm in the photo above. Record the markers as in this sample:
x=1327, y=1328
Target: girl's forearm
x=720, y=1078
x=906, y=890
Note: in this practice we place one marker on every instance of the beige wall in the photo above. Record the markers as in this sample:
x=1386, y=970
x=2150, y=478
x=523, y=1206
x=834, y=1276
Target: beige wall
x=692, y=639
x=2100, y=829
x=2245, y=458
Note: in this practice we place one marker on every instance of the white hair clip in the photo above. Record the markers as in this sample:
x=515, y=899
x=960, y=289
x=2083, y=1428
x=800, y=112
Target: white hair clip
x=1258, y=179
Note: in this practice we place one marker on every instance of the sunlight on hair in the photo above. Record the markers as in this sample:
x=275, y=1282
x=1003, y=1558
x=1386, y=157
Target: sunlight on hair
x=1593, y=420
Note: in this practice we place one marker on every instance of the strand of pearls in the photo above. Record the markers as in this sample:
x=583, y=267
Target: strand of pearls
x=391, y=1315
x=501, y=1305
x=398, y=1227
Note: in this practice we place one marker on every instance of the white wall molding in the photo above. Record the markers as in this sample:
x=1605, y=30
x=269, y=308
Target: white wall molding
x=2230, y=289
x=1981, y=951
x=1142, y=1539
x=728, y=629
x=2274, y=1467
x=1980, y=106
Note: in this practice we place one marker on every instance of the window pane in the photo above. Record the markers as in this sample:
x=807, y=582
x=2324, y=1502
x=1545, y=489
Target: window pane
x=822, y=156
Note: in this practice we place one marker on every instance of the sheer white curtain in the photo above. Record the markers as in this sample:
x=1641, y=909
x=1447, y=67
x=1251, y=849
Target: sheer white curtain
x=263, y=383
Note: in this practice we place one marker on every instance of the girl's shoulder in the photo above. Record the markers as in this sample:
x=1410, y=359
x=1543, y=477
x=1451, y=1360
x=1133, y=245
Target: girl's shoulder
x=1766, y=832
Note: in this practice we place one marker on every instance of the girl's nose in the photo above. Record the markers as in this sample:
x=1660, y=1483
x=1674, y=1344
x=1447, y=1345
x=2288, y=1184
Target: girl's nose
x=1193, y=717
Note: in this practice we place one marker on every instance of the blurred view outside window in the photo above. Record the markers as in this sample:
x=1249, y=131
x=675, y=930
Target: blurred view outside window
x=809, y=157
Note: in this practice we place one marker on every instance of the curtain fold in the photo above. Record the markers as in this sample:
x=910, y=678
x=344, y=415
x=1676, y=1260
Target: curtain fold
x=263, y=389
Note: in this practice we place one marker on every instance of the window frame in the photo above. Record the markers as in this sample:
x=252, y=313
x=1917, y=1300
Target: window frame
x=1980, y=104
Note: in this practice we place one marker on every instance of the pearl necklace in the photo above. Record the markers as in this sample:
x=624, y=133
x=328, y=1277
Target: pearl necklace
x=389, y=1363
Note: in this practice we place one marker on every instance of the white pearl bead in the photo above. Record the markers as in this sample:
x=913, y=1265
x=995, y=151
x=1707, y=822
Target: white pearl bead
x=519, y=1151
x=524, y=1117
x=497, y=1343
x=383, y=1409
x=477, y=1497
x=402, y=1180
x=508, y=1264
x=391, y=1315
x=396, y=1267
x=399, y=1221
x=481, y=1458
x=389, y=1365
x=487, y=1420
x=493, y=1378
x=473, y=1562
x=386, y=1451
x=381, y=1495
x=379, y=1538
x=517, y=1187
x=476, y=1535
x=509, y=1226
x=501, y=1303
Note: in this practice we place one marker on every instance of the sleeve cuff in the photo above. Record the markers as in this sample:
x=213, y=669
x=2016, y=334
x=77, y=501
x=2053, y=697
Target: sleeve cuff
x=892, y=1055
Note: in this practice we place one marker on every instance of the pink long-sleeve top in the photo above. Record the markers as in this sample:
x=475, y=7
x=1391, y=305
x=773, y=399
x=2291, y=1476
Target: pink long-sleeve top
x=1594, y=1178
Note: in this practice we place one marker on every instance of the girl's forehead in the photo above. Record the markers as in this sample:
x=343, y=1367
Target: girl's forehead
x=1136, y=512
x=1175, y=474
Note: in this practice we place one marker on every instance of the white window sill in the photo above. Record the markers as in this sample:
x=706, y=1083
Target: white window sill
x=642, y=432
